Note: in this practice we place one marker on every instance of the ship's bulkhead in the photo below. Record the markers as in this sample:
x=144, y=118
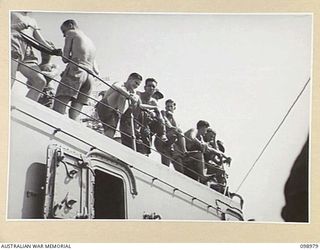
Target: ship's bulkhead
x=60, y=169
x=87, y=186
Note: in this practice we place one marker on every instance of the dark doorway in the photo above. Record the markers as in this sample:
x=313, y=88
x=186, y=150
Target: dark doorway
x=108, y=196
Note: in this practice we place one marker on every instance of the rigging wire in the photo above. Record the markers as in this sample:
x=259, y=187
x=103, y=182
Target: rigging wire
x=274, y=133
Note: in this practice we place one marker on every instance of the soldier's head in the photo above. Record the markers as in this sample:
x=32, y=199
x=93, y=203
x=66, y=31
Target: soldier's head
x=202, y=127
x=134, y=81
x=210, y=135
x=170, y=105
x=67, y=25
x=150, y=86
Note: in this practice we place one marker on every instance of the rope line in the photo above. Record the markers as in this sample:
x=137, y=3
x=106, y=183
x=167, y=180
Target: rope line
x=274, y=133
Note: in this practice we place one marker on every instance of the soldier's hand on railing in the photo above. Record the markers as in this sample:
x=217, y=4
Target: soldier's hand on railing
x=156, y=110
x=51, y=44
x=57, y=52
x=46, y=67
x=227, y=160
x=145, y=131
x=133, y=98
x=204, y=147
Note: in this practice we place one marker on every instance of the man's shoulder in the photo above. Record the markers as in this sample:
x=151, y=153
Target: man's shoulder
x=190, y=131
x=117, y=85
x=154, y=100
x=164, y=113
x=72, y=33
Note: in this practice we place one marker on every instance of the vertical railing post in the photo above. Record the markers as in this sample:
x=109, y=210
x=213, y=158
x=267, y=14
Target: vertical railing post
x=133, y=134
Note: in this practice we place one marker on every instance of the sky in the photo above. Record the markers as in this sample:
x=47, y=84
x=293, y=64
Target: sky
x=240, y=72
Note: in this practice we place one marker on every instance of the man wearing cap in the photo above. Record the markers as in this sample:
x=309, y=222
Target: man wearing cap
x=157, y=95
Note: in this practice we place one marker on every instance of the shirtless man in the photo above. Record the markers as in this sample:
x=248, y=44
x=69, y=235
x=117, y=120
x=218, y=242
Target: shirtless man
x=49, y=71
x=195, y=143
x=152, y=121
x=81, y=50
x=210, y=139
x=116, y=98
x=23, y=52
x=214, y=160
x=176, y=144
x=215, y=151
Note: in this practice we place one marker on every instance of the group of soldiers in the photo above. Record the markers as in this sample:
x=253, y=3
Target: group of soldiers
x=195, y=153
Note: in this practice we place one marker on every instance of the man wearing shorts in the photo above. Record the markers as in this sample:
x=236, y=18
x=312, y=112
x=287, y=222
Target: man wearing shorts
x=149, y=117
x=175, y=147
x=194, y=161
x=113, y=102
x=76, y=79
x=21, y=51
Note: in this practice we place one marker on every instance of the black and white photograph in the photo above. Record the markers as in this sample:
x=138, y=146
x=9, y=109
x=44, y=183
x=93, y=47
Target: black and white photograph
x=160, y=116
